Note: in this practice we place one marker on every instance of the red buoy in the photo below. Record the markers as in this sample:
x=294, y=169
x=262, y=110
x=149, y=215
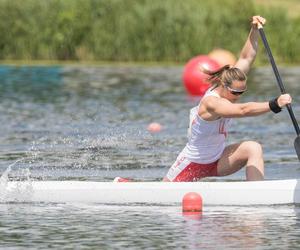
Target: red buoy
x=222, y=57
x=195, y=81
x=192, y=202
x=154, y=127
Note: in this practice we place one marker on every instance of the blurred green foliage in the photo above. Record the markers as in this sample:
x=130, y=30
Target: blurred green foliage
x=137, y=30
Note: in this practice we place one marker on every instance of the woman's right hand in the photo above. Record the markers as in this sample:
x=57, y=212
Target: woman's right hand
x=283, y=100
x=258, y=21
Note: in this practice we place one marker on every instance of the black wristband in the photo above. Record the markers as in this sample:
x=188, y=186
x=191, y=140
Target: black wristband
x=273, y=104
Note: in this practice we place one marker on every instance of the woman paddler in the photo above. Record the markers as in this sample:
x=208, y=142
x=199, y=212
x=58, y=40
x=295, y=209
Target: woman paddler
x=205, y=154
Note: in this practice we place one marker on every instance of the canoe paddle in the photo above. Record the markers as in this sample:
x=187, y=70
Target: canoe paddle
x=282, y=89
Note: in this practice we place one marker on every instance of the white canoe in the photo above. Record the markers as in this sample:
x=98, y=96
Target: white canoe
x=213, y=193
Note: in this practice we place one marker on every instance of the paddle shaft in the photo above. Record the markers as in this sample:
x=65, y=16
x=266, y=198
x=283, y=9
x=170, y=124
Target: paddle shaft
x=278, y=78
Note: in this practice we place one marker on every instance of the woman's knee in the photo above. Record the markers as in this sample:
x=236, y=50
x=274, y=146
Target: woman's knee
x=252, y=147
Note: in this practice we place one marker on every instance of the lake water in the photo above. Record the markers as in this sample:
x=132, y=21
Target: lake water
x=89, y=123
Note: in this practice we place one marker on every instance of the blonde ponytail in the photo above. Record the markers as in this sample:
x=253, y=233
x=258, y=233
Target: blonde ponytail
x=225, y=75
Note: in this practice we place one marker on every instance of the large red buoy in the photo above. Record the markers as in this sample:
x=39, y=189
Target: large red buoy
x=195, y=81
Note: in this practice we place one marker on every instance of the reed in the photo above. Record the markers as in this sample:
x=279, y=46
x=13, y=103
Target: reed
x=137, y=30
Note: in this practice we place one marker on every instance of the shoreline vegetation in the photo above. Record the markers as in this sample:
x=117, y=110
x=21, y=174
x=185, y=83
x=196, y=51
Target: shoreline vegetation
x=132, y=32
x=46, y=63
x=90, y=62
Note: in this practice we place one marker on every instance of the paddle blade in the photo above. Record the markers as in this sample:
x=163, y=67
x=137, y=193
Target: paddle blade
x=297, y=146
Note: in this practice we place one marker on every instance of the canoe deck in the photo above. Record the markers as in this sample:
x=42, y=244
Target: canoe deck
x=213, y=193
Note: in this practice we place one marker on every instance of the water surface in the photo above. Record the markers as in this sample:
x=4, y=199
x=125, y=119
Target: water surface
x=89, y=123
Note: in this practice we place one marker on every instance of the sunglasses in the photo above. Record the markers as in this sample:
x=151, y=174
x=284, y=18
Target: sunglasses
x=235, y=91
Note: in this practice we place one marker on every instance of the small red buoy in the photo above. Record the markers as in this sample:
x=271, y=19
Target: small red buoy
x=222, y=57
x=154, y=127
x=192, y=202
x=194, y=79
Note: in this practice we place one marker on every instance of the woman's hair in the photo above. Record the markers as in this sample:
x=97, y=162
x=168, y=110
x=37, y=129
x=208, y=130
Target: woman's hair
x=225, y=75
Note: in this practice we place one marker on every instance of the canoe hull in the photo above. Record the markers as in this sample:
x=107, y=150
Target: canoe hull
x=213, y=193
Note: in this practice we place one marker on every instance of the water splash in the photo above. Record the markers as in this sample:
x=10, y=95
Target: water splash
x=15, y=191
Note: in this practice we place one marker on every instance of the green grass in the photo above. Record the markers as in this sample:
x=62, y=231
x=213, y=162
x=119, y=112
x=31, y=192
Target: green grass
x=291, y=6
x=140, y=31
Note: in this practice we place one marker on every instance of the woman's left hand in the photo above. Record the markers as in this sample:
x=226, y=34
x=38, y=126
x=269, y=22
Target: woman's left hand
x=258, y=22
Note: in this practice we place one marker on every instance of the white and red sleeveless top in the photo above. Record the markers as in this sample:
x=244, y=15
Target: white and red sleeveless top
x=206, y=138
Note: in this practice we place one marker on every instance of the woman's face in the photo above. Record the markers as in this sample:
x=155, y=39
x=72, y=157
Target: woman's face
x=234, y=91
